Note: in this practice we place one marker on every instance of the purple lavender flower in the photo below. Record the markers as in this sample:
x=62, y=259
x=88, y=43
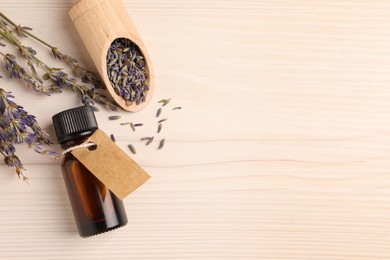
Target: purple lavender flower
x=33, y=81
x=85, y=75
x=17, y=127
x=126, y=71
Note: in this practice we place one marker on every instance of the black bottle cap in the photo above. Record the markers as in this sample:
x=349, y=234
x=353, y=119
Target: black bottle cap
x=74, y=123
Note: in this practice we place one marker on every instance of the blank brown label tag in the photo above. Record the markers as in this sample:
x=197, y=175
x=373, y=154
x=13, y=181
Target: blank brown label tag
x=112, y=166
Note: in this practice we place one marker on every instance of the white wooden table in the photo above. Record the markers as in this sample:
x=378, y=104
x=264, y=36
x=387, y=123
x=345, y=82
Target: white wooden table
x=281, y=151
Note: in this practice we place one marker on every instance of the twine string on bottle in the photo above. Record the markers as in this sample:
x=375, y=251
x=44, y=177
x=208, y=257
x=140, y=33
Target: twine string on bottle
x=70, y=149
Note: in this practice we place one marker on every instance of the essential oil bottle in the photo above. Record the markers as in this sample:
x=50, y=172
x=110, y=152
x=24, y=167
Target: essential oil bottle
x=95, y=208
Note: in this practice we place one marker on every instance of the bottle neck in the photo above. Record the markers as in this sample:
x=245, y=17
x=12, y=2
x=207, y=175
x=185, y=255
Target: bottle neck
x=74, y=142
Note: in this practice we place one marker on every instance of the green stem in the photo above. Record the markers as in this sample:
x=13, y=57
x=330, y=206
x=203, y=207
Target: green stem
x=11, y=38
x=25, y=31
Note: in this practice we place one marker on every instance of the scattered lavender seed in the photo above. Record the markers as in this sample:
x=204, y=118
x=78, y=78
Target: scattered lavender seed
x=162, y=143
x=132, y=127
x=159, y=128
x=150, y=141
x=159, y=112
x=138, y=125
x=127, y=123
x=132, y=149
x=114, y=117
x=162, y=120
x=176, y=108
x=113, y=138
x=145, y=138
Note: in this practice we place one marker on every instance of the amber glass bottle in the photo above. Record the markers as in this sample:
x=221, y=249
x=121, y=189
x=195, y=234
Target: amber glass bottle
x=95, y=208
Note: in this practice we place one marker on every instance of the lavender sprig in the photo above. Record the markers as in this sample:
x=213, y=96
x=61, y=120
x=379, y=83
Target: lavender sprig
x=33, y=82
x=57, y=76
x=85, y=75
x=17, y=126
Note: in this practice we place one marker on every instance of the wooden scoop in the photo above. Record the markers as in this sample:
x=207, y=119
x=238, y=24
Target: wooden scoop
x=99, y=23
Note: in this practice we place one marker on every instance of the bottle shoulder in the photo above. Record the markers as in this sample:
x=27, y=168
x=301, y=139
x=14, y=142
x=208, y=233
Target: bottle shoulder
x=69, y=159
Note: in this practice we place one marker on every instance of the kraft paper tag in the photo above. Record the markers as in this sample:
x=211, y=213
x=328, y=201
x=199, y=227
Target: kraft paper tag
x=112, y=166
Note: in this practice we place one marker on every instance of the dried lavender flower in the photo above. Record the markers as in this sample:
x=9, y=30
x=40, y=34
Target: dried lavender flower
x=85, y=75
x=17, y=126
x=162, y=120
x=114, y=117
x=61, y=78
x=132, y=126
x=165, y=101
x=159, y=128
x=126, y=71
x=149, y=141
x=161, y=145
x=33, y=82
x=132, y=149
x=58, y=77
x=159, y=112
x=176, y=108
x=113, y=138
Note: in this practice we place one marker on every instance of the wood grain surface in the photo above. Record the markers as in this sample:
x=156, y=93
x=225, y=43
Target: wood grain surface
x=281, y=151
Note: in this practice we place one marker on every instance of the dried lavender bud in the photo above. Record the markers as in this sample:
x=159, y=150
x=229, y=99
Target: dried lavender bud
x=159, y=112
x=145, y=138
x=132, y=149
x=176, y=108
x=114, y=117
x=132, y=126
x=164, y=101
x=149, y=141
x=138, y=125
x=162, y=120
x=161, y=145
x=113, y=138
x=126, y=123
x=159, y=128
